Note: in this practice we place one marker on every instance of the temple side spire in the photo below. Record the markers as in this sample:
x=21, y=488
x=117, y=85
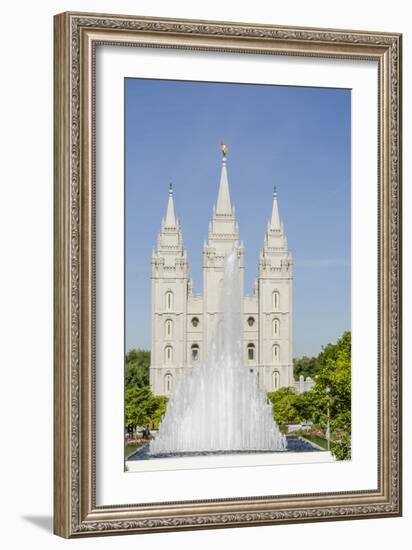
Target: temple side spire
x=170, y=220
x=275, y=252
x=223, y=205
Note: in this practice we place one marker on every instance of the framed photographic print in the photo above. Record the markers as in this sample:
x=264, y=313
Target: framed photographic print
x=227, y=274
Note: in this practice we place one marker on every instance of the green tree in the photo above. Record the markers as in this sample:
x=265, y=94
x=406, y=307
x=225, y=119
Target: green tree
x=137, y=364
x=284, y=405
x=305, y=366
x=142, y=408
x=290, y=407
x=306, y=405
x=331, y=370
x=333, y=389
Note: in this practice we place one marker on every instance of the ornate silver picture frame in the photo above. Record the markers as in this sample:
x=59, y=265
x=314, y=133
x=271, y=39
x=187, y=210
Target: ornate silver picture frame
x=77, y=511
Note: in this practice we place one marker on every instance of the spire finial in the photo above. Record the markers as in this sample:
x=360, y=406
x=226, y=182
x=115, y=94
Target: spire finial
x=223, y=205
x=275, y=219
x=170, y=220
x=224, y=150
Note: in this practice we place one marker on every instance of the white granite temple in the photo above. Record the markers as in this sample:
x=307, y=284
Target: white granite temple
x=183, y=322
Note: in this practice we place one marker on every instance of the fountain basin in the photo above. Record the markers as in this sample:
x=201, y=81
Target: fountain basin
x=294, y=445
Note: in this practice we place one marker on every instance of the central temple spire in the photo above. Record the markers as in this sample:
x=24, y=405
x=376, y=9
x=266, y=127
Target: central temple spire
x=223, y=205
x=223, y=229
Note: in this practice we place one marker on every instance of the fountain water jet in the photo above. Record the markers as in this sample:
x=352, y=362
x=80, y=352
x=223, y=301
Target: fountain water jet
x=218, y=406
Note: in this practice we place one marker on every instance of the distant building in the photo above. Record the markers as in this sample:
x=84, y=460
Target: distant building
x=303, y=384
x=183, y=322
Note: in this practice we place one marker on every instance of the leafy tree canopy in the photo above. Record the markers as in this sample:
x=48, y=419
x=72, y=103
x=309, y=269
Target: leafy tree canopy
x=142, y=408
x=306, y=367
x=331, y=370
x=137, y=364
x=333, y=383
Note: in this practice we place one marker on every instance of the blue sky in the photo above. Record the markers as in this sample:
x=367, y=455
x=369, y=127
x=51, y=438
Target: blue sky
x=293, y=137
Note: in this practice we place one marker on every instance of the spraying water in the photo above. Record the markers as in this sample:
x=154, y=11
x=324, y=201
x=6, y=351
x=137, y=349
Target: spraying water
x=218, y=406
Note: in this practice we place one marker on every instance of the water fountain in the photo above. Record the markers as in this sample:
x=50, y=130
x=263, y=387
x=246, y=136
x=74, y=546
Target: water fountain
x=218, y=406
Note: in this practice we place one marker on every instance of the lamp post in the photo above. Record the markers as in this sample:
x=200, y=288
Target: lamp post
x=328, y=415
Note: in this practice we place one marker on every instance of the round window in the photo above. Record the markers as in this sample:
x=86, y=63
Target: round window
x=251, y=321
x=195, y=321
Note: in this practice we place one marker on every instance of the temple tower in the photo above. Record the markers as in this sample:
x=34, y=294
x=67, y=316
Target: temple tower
x=274, y=283
x=223, y=235
x=170, y=277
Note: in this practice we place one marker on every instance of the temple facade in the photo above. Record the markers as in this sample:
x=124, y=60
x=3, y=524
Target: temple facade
x=183, y=322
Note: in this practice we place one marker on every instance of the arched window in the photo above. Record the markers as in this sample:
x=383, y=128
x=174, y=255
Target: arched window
x=168, y=382
x=276, y=380
x=168, y=354
x=275, y=327
x=195, y=352
x=251, y=321
x=276, y=300
x=251, y=352
x=195, y=321
x=169, y=328
x=258, y=379
x=276, y=353
x=169, y=300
